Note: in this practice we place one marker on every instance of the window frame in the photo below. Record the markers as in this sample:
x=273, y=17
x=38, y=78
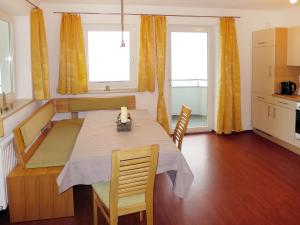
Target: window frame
x=10, y=96
x=118, y=86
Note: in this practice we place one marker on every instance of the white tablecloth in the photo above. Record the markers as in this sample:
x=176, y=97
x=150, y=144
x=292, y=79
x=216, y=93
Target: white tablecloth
x=90, y=161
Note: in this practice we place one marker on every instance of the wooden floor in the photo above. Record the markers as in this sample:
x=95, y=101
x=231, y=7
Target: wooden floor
x=240, y=179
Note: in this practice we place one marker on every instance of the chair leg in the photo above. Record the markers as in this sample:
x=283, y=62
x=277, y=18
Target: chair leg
x=95, y=210
x=141, y=216
x=149, y=214
x=113, y=218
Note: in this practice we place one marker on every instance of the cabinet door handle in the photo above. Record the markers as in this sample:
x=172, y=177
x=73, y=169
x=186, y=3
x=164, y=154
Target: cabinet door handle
x=284, y=103
x=274, y=113
x=269, y=111
x=270, y=70
x=260, y=97
x=262, y=42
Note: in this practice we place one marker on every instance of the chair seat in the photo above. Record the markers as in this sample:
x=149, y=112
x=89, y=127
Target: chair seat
x=102, y=190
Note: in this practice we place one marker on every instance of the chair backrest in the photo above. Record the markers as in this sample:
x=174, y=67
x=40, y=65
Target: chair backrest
x=181, y=125
x=133, y=172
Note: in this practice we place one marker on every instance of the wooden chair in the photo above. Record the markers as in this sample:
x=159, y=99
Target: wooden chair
x=181, y=125
x=131, y=187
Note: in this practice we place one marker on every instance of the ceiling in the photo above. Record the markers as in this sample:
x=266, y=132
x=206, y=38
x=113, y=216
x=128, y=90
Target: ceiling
x=237, y=4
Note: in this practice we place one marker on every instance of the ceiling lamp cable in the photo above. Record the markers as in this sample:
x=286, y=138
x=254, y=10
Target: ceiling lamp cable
x=122, y=24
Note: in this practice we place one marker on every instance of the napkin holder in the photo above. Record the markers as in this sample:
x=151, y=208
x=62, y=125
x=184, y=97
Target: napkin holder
x=124, y=126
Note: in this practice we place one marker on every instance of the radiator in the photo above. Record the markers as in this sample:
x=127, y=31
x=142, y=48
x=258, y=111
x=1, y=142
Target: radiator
x=7, y=162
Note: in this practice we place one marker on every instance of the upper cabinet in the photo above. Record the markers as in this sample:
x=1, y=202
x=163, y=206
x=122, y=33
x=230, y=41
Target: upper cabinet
x=269, y=61
x=293, y=52
x=264, y=38
x=263, y=70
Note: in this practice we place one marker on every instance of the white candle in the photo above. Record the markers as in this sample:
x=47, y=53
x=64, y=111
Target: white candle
x=123, y=114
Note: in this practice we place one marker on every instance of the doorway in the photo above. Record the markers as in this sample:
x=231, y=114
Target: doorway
x=190, y=76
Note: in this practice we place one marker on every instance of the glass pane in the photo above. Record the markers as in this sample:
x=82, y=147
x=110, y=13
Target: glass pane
x=189, y=76
x=5, y=58
x=107, y=61
x=189, y=55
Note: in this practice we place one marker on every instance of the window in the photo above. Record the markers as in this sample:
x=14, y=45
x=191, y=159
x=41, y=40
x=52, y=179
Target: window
x=189, y=59
x=5, y=58
x=111, y=67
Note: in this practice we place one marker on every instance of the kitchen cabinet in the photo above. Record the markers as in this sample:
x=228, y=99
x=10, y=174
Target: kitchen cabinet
x=263, y=70
x=284, y=123
x=261, y=116
x=293, y=51
x=276, y=117
x=269, y=61
x=272, y=51
x=264, y=38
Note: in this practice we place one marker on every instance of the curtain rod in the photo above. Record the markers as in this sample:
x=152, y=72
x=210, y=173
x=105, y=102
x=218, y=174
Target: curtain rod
x=31, y=3
x=146, y=14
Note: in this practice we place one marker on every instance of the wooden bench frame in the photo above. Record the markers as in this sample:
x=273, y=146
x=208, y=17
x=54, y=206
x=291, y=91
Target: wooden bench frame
x=33, y=193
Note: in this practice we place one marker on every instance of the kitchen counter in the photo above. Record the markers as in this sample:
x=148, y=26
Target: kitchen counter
x=295, y=98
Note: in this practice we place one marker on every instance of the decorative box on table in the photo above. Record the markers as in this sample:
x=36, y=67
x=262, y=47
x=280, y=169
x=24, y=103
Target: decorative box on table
x=124, y=120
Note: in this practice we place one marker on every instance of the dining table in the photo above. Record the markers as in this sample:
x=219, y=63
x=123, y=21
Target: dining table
x=90, y=160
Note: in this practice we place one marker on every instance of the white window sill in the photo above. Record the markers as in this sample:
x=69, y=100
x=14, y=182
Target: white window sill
x=14, y=107
x=111, y=91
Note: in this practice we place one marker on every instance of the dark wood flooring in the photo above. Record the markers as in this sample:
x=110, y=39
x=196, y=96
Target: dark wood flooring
x=240, y=179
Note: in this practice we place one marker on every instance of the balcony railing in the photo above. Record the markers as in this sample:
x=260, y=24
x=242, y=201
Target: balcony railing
x=189, y=83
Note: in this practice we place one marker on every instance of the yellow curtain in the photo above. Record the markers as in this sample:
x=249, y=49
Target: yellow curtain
x=72, y=66
x=146, y=55
x=39, y=56
x=160, y=40
x=1, y=128
x=229, y=99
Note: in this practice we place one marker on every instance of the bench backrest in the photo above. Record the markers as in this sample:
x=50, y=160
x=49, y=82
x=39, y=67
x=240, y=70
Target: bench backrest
x=75, y=105
x=27, y=133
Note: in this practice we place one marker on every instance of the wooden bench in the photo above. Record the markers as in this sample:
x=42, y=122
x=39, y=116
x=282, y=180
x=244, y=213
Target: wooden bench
x=42, y=148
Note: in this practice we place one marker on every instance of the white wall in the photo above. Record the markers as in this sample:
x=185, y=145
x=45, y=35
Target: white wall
x=250, y=21
x=23, y=79
x=15, y=7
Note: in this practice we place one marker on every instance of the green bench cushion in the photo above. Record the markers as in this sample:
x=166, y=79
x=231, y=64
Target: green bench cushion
x=102, y=190
x=57, y=147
